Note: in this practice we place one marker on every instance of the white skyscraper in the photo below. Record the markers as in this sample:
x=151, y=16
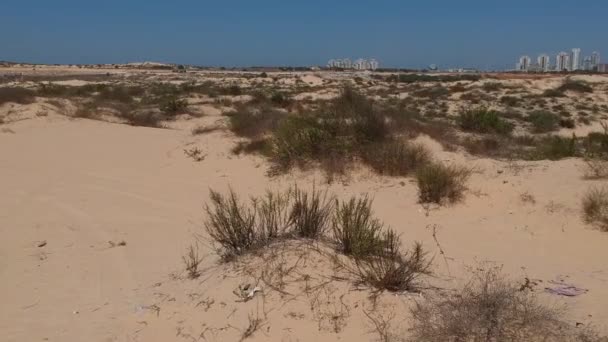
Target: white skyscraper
x=595, y=59
x=524, y=63
x=576, y=59
x=544, y=62
x=562, y=62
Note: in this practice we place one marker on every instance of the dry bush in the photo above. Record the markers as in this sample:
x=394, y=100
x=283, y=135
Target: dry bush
x=596, y=168
x=595, y=207
x=391, y=269
x=16, y=95
x=396, y=157
x=438, y=182
x=192, y=260
x=490, y=308
x=355, y=230
x=311, y=212
x=231, y=224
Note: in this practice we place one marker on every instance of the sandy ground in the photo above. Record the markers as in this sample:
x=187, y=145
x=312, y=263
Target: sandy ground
x=77, y=186
x=74, y=189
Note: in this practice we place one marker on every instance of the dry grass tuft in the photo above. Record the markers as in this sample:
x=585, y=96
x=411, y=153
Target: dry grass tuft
x=192, y=260
x=595, y=207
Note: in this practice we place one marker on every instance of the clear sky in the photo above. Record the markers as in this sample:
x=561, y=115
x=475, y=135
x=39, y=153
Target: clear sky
x=476, y=33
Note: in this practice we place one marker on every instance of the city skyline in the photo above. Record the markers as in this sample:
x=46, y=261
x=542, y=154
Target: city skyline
x=573, y=60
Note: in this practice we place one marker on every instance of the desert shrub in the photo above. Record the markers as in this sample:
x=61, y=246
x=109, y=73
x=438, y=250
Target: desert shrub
x=458, y=88
x=596, y=143
x=280, y=99
x=543, y=122
x=118, y=93
x=595, y=207
x=396, y=157
x=391, y=269
x=231, y=224
x=567, y=123
x=596, y=168
x=432, y=93
x=142, y=118
x=172, y=105
x=233, y=90
x=273, y=216
x=482, y=120
x=490, y=308
x=353, y=114
x=510, y=101
x=575, y=86
x=553, y=93
x=297, y=139
x=492, y=86
x=355, y=230
x=254, y=122
x=16, y=95
x=438, y=182
x=555, y=148
x=310, y=213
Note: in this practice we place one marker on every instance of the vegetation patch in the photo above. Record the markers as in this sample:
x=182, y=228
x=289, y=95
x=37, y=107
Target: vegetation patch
x=595, y=207
x=438, y=183
x=482, y=120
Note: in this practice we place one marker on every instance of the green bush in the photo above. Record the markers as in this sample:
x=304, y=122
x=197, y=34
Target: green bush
x=356, y=231
x=438, y=183
x=543, y=122
x=482, y=120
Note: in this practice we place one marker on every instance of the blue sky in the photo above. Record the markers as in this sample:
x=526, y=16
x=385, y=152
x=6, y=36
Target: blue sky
x=402, y=33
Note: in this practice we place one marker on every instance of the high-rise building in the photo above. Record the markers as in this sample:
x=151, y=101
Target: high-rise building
x=595, y=59
x=576, y=59
x=524, y=63
x=544, y=62
x=587, y=64
x=562, y=62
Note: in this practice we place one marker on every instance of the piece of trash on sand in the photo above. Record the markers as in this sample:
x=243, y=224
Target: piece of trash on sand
x=246, y=292
x=562, y=288
x=41, y=244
